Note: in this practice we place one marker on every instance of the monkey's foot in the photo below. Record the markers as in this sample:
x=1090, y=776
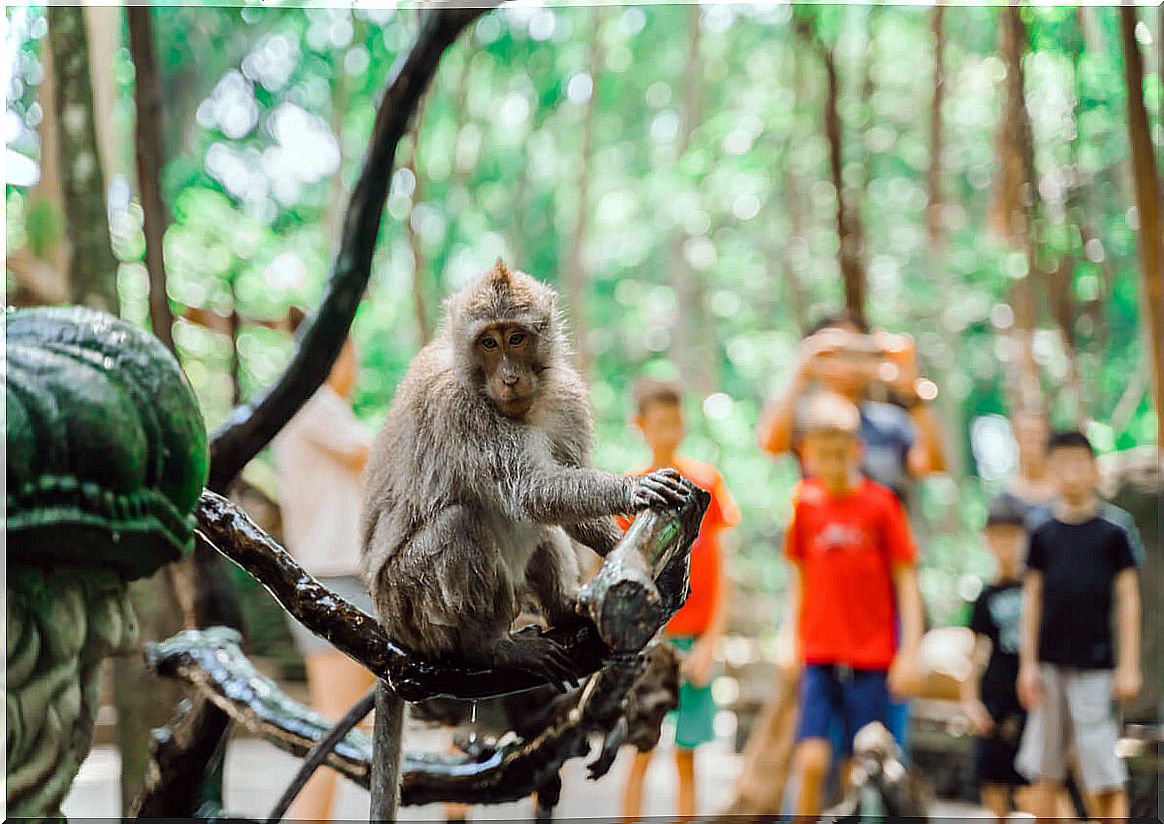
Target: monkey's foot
x=533, y=652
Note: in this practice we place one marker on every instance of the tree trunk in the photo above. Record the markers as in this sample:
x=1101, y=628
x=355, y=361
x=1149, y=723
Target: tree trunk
x=935, y=226
x=1064, y=308
x=796, y=292
x=1134, y=482
x=849, y=232
x=43, y=279
x=91, y=268
x=144, y=701
x=767, y=758
x=950, y=407
x=848, y=223
x=103, y=24
x=235, y=329
x=419, y=303
x=1147, y=191
x=576, y=274
x=1012, y=209
x=338, y=193
x=150, y=161
x=461, y=97
x=692, y=347
x=782, y=260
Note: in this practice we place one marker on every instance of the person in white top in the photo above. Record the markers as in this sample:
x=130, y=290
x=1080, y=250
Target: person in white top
x=320, y=457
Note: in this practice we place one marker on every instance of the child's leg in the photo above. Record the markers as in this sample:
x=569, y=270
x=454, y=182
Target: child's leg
x=1108, y=805
x=995, y=797
x=812, y=758
x=685, y=766
x=864, y=699
x=632, y=797
x=1043, y=797
x=820, y=703
x=1042, y=755
x=694, y=725
x=1093, y=722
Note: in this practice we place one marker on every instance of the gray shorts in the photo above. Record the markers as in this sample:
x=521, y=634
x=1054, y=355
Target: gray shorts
x=348, y=587
x=1077, y=710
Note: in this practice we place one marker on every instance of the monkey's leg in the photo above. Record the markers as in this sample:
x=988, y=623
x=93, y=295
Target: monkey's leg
x=553, y=575
x=440, y=592
x=461, y=594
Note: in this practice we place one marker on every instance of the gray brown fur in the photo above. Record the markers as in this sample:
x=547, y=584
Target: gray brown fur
x=465, y=505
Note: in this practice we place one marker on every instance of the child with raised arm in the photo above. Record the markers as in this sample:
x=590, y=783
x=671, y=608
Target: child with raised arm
x=1080, y=566
x=698, y=626
x=988, y=694
x=853, y=577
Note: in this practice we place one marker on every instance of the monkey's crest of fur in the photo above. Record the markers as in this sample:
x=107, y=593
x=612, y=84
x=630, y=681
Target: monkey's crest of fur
x=504, y=294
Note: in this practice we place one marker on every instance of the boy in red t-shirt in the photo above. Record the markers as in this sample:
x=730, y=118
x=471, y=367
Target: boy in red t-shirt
x=697, y=627
x=851, y=559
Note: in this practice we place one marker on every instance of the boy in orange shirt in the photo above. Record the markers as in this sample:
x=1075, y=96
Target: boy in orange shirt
x=852, y=576
x=697, y=627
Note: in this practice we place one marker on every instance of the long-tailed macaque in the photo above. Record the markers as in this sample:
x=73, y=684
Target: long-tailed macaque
x=480, y=478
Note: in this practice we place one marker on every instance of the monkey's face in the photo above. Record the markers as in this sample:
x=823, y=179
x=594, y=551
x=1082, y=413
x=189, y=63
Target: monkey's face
x=507, y=353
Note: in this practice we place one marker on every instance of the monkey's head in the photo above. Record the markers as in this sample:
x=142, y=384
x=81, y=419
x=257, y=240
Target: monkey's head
x=507, y=328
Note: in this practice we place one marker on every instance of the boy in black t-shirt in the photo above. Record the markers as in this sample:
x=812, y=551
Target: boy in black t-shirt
x=1080, y=564
x=988, y=694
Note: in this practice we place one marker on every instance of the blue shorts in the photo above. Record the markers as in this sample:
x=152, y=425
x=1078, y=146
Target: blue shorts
x=832, y=694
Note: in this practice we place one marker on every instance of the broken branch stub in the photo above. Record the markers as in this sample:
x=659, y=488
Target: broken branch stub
x=624, y=600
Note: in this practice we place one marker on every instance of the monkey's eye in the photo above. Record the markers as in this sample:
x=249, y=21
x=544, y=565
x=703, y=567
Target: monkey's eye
x=516, y=338
x=488, y=343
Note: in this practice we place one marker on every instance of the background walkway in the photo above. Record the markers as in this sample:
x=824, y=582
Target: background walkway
x=256, y=774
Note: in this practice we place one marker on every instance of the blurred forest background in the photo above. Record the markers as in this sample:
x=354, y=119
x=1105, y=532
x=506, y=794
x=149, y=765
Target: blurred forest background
x=699, y=182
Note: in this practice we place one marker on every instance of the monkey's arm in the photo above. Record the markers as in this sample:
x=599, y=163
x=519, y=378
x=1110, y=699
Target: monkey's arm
x=554, y=494
x=600, y=534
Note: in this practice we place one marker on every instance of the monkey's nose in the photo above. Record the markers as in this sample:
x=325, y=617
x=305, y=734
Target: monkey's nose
x=509, y=380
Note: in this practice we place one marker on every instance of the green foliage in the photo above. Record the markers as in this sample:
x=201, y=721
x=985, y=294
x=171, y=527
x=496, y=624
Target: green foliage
x=253, y=95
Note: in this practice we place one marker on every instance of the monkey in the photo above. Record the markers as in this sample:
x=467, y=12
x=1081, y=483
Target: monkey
x=480, y=479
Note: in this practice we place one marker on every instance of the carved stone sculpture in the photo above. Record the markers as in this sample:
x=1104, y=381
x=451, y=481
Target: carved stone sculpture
x=106, y=458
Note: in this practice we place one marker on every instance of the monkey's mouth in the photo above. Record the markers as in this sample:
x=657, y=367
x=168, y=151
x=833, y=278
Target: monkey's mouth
x=516, y=407
x=512, y=402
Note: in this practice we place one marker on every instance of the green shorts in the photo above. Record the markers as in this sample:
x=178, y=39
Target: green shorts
x=695, y=718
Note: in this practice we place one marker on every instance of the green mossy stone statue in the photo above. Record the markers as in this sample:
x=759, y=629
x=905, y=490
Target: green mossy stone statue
x=107, y=456
x=107, y=450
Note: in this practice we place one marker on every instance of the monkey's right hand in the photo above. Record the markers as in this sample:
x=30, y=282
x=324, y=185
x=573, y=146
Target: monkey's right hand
x=661, y=489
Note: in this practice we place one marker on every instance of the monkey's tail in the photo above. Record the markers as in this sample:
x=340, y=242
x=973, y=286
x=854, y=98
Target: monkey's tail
x=387, y=737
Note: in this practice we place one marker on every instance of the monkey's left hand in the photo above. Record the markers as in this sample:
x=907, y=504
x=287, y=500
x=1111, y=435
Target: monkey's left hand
x=661, y=489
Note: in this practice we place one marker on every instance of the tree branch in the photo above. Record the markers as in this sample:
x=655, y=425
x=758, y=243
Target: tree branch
x=211, y=662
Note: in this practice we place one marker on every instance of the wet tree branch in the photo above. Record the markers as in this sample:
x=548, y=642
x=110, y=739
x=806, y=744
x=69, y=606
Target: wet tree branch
x=210, y=661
